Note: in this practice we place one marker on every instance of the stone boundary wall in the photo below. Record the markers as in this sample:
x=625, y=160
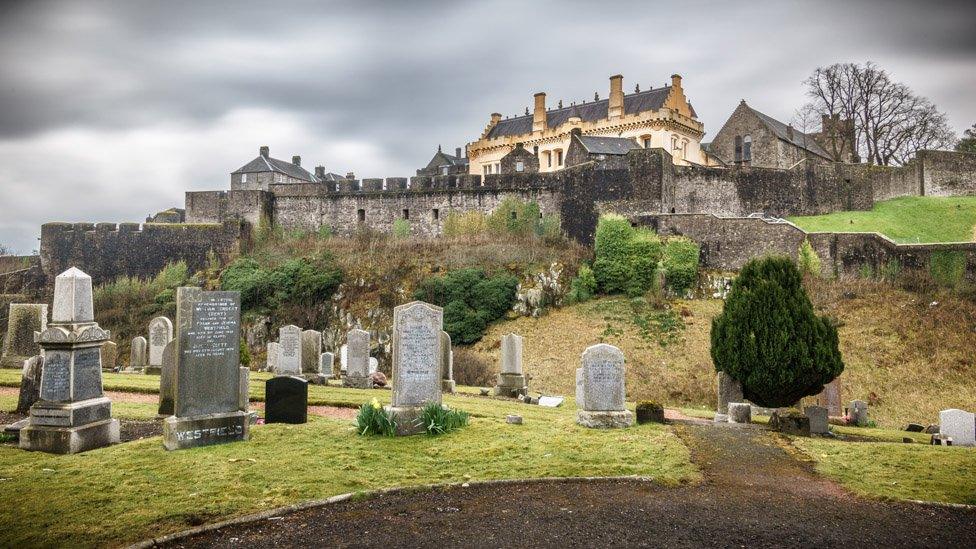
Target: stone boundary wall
x=947, y=173
x=109, y=250
x=727, y=243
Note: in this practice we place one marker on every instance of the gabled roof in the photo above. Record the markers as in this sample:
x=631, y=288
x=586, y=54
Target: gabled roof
x=596, y=144
x=441, y=158
x=268, y=164
x=332, y=177
x=648, y=100
x=782, y=131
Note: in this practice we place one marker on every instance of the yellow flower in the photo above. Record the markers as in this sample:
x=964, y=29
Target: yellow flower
x=376, y=404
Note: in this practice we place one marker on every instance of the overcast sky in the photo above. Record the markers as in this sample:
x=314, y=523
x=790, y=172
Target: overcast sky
x=109, y=111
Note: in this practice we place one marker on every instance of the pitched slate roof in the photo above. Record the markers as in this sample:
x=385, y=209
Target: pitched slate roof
x=441, y=158
x=648, y=100
x=596, y=144
x=799, y=139
x=262, y=164
x=332, y=177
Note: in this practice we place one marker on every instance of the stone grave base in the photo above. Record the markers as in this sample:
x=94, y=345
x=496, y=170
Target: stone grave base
x=605, y=420
x=407, y=419
x=190, y=432
x=316, y=379
x=447, y=385
x=721, y=418
x=69, y=440
x=357, y=382
x=152, y=370
x=511, y=385
x=740, y=412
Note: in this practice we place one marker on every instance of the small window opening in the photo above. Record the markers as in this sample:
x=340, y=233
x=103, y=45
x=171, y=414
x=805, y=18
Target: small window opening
x=361, y=215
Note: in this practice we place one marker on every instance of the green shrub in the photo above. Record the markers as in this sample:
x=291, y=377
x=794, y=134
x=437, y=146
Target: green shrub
x=437, y=419
x=644, y=250
x=680, y=264
x=890, y=270
x=947, y=267
x=401, y=228
x=301, y=282
x=769, y=338
x=866, y=271
x=808, y=260
x=470, y=300
x=583, y=286
x=372, y=419
x=611, y=246
x=245, y=354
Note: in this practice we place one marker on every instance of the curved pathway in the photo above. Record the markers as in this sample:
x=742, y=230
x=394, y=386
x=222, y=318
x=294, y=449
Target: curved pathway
x=754, y=495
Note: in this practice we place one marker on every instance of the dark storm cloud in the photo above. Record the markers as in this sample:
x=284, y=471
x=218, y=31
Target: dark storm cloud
x=124, y=105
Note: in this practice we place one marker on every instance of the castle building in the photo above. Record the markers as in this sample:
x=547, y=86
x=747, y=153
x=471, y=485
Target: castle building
x=750, y=138
x=260, y=173
x=656, y=118
x=445, y=164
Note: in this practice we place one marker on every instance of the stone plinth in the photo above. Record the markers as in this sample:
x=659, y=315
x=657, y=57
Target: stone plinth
x=603, y=388
x=511, y=385
x=740, y=412
x=204, y=430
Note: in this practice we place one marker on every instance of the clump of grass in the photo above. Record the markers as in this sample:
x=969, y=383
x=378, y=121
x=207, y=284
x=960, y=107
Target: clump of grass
x=373, y=419
x=437, y=419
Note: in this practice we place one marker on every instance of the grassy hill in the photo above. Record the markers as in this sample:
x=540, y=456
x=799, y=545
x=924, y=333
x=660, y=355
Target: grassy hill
x=907, y=220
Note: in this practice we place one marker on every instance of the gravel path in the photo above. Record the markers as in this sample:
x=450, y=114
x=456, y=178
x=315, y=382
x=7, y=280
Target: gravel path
x=754, y=495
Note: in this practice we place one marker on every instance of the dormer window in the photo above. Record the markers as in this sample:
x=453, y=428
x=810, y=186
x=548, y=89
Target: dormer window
x=520, y=166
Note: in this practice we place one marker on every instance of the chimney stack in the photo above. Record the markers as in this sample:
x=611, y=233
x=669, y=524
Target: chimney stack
x=616, y=106
x=676, y=81
x=457, y=152
x=264, y=151
x=320, y=172
x=539, y=115
x=350, y=175
x=296, y=160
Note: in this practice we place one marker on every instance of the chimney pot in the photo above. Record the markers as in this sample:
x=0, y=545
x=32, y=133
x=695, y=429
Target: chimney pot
x=264, y=151
x=296, y=160
x=457, y=152
x=539, y=114
x=615, y=106
x=320, y=171
x=676, y=80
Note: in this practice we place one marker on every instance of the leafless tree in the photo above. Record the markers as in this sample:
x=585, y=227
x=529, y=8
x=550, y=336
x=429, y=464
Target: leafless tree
x=890, y=122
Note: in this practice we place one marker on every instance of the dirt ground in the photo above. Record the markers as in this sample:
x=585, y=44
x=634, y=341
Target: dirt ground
x=754, y=495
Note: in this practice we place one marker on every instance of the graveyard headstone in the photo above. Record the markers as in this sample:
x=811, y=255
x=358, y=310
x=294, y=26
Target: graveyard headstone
x=960, y=425
x=23, y=319
x=326, y=363
x=447, y=363
x=243, y=395
x=830, y=398
x=343, y=360
x=859, y=413
x=416, y=362
x=818, y=419
x=729, y=390
x=740, y=412
x=603, y=388
x=289, y=351
x=357, y=359
x=109, y=353
x=167, y=381
x=286, y=400
x=274, y=353
x=511, y=381
x=311, y=349
x=160, y=334
x=374, y=365
x=137, y=354
x=580, y=395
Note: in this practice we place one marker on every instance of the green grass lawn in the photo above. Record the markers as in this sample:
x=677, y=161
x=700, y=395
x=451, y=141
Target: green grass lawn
x=136, y=490
x=906, y=220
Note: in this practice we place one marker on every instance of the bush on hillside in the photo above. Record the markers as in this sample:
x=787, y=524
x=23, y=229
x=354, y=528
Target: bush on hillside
x=583, y=286
x=626, y=258
x=769, y=338
x=301, y=282
x=470, y=300
x=680, y=264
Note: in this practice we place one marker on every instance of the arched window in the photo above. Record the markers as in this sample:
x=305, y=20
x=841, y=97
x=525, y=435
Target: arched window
x=738, y=148
x=684, y=149
x=674, y=143
x=747, y=149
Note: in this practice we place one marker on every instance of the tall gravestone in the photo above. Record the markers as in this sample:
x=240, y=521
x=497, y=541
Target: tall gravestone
x=374, y=365
x=603, y=388
x=289, y=351
x=416, y=362
x=511, y=380
x=137, y=354
x=357, y=357
x=447, y=363
x=311, y=349
x=160, y=334
x=958, y=424
x=830, y=398
x=167, y=380
x=326, y=363
x=274, y=353
x=343, y=360
x=110, y=352
x=728, y=390
x=207, y=404
x=72, y=414
x=23, y=320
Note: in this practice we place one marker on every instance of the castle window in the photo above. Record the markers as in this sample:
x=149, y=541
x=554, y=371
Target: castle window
x=548, y=159
x=436, y=213
x=498, y=168
x=647, y=141
x=738, y=148
x=486, y=168
x=406, y=213
x=559, y=157
x=361, y=215
x=520, y=166
x=674, y=143
x=747, y=149
x=444, y=170
x=243, y=178
x=684, y=149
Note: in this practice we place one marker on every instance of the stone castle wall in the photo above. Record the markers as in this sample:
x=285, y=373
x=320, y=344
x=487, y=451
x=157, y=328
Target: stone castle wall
x=946, y=173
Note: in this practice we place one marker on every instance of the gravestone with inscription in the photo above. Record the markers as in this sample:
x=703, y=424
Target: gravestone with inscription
x=23, y=319
x=603, y=388
x=289, y=351
x=286, y=400
x=958, y=424
x=416, y=362
x=167, y=381
x=274, y=353
x=511, y=380
x=137, y=354
x=447, y=363
x=311, y=349
x=160, y=334
x=357, y=357
x=110, y=352
x=72, y=413
x=207, y=404
x=728, y=390
x=326, y=363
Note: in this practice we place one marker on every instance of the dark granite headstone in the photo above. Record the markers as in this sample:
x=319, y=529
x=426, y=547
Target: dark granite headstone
x=286, y=400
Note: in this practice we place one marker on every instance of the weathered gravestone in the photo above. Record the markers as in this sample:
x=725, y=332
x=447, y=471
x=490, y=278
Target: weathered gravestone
x=511, y=381
x=243, y=395
x=603, y=388
x=326, y=363
x=109, y=353
x=274, y=353
x=167, y=381
x=728, y=390
x=30, y=384
x=357, y=359
x=740, y=412
x=207, y=405
x=137, y=354
x=859, y=413
x=580, y=395
x=160, y=334
x=289, y=351
x=286, y=400
x=830, y=398
x=72, y=414
x=22, y=321
x=416, y=362
x=343, y=360
x=447, y=363
x=958, y=424
x=374, y=365
x=311, y=349
x=818, y=419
